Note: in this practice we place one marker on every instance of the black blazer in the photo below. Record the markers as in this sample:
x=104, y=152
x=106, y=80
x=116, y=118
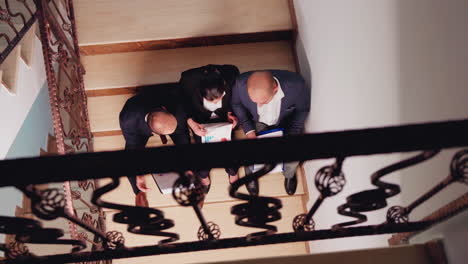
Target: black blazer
x=132, y=117
x=295, y=104
x=193, y=101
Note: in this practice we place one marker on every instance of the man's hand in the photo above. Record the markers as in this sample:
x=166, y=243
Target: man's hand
x=141, y=184
x=251, y=135
x=232, y=119
x=197, y=128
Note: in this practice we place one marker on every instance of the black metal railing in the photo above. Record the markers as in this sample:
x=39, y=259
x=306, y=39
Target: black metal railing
x=254, y=211
x=16, y=18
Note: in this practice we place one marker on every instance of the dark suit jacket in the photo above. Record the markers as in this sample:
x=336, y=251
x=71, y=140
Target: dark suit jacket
x=132, y=117
x=193, y=101
x=295, y=104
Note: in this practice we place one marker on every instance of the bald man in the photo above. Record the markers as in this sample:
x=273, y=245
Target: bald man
x=152, y=113
x=268, y=99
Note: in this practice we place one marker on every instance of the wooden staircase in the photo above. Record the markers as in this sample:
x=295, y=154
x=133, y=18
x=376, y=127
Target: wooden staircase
x=127, y=44
x=22, y=53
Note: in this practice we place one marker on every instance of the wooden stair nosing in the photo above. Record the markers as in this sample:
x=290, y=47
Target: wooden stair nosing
x=186, y=42
x=126, y=90
x=10, y=69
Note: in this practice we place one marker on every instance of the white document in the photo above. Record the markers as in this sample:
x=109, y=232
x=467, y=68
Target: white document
x=165, y=181
x=217, y=132
x=268, y=134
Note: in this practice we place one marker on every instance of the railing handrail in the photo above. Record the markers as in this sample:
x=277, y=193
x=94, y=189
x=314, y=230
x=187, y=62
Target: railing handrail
x=369, y=141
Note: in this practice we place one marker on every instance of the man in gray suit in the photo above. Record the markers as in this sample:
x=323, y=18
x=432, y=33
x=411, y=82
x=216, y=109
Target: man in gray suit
x=268, y=99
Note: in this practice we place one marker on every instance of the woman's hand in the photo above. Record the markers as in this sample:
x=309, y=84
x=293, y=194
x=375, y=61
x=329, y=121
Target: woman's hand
x=232, y=119
x=197, y=128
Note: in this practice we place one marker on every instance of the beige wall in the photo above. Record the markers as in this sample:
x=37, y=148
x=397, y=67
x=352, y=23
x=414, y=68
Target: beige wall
x=375, y=63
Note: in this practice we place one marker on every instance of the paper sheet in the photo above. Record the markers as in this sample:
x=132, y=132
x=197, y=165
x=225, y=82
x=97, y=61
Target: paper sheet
x=269, y=134
x=217, y=132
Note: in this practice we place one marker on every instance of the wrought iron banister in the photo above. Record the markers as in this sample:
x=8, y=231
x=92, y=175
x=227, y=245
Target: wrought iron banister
x=254, y=211
x=15, y=24
x=78, y=163
x=97, y=165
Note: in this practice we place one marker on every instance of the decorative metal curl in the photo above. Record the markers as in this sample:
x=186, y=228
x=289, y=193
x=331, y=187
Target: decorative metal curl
x=215, y=232
x=374, y=199
x=115, y=240
x=16, y=250
x=67, y=27
x=329, y=180
x=459, y=166
x=299, y=223
x=31, y=231
x=187, y=191
x=51, y=204
x=4, y=15
x=397, y=215
x=259, y=211
x=458, y=173
x=140, y=220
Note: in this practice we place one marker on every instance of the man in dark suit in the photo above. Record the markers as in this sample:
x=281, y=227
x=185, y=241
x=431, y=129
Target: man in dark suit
x=152, y=113
x=272, y=99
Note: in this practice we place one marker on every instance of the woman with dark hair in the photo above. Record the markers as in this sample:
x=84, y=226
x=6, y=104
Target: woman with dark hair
x=207, y=95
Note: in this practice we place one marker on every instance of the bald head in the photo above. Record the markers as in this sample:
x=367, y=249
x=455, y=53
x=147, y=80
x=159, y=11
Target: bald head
x=162, y=123
x=261, y=87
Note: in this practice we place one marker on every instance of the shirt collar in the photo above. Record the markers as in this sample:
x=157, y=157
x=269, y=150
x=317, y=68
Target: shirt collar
x=279, y=94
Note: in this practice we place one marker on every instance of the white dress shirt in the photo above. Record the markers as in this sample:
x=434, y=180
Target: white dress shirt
x=210, y=106
x=269, y=113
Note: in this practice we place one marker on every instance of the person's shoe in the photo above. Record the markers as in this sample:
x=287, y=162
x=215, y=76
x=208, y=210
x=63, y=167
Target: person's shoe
x=290, y=185
x=206, y=188
x=141, y=200
x=252, y=187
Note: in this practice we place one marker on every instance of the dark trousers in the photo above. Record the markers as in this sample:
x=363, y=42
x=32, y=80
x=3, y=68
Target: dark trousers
x=205, y=173
x=132, y=181
x=289, y=167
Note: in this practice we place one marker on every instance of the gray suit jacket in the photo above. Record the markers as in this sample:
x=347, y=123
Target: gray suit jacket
x=295, y=104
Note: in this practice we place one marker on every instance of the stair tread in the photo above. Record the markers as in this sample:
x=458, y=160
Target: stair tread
x=101, y=22
x=270, y=185
x=165, y=66
x=10, y=69
x=186, y=225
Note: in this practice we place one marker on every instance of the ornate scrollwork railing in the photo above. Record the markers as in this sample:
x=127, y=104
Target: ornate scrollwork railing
x=16, y=18
x=256, y=211
x=70, y=119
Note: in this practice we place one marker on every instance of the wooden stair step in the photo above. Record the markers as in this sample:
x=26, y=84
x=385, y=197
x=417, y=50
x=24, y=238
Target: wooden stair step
x=121, y=70
x=187, y=224
x=187, y=42
x=117, y=141
x=114, y=140
x=10, y=69
x=28, y=44
x=104, y=112
x=104, y=22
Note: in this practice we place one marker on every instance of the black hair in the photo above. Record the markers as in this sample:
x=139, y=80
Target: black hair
x=212, y=86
